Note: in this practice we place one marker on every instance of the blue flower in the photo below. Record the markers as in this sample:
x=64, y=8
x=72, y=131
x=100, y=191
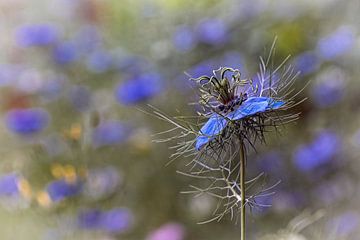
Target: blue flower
x=27, y=121
x=337, y=43
x=329, y=88
x=307, y=62
x=60, y=189
x=344, y=224
x=139, y=88
x=36, y=35
x=109, y=133
x=217, y=123
x=9, y=185
x=80, y=97
x=65, y=52
x=319, y=152
x=99, y=61
x=114, y=221
x=212, y=31
x=184, y=39
x=102, y=182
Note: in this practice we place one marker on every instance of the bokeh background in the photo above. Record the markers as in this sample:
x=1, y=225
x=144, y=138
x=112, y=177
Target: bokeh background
x=77, y=159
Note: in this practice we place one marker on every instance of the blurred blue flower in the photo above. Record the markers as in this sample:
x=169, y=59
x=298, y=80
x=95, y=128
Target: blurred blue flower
x=337, y=43
x=329, y=88
x=184, y=38
x=65, y=52
x=217, y=123
x=307, y=63
x=9, y=185
x=9, y=72
x=99, y=61
x=52, y=88
x=27, y=121
x=212, y=31
x=110, y=133
x=87, y=39
x=139, y=88
x=272, y=162
x=234, y=60
x=319, y=152
x=60, y=189
x=114, y=221
x=344, y=224
x=80, y=98
x=36, y=35
x=169, y=231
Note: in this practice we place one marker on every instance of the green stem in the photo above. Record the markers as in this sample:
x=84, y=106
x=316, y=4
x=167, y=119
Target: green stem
x=242, y=189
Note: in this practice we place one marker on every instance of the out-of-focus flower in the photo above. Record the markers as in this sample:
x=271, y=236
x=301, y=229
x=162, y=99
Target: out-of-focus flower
x=184, y=39
x=307, y=63
x=75, y=132
x=139, y=88
x=337, y=43
x=9, y=72
x=234, y=60
x=110, y=133
x=36, y=35
x=169, y=231
x=52, y=88
x=27, y=121
x=87, y=39
x=101, y=182
x=80, y=98
x=59, y=190
x=65, y=52
x=329, y=88
x=344, y=224
x=12, y=185
x=212, y=31
x=114, y=221
x=99, y=61
x=319, y=152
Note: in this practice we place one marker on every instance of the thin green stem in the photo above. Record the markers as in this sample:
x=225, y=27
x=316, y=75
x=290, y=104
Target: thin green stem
x=242, y=189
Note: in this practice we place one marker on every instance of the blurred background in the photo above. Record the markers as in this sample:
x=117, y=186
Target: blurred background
x=77, y=159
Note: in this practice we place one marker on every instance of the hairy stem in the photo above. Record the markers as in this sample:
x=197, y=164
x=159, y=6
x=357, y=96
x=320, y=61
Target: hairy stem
x=242, y=189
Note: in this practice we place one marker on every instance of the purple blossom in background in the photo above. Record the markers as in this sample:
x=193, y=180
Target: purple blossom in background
x=131, y=64
x=52, y=88
x=27, y=121
x=272, y=162
x=184, y=39
x=337, y=43
x=110, y=133
x=87, y=39
x=101, y=182
x=329, y=88
x=344, y=224
x=60, y=189
x=99, y=61
x=307, y=63
x=114, y=221
x=139, y=88
x=65, y=52
x=9, y=185
x=9, y=72
x=234, y=60
x=169, y=231
x=319, y=152
x=212, y=31
x=80, y=98
x=36, y=35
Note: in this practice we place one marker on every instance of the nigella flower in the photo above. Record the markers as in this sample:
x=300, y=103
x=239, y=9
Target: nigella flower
x=114, y=221
x=234, y=113
x=307, y=62
x=27, y=121
x=99, y=61
x=139, y=88
x=184, y=39
x=36, y=35
x=14, y=185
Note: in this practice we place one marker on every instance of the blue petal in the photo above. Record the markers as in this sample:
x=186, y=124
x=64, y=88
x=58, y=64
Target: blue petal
x=248, y=108
x=212, y=127
x=275, y=104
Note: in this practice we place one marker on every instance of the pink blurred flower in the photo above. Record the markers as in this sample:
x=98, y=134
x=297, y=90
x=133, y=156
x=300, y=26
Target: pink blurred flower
x=169, y=231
